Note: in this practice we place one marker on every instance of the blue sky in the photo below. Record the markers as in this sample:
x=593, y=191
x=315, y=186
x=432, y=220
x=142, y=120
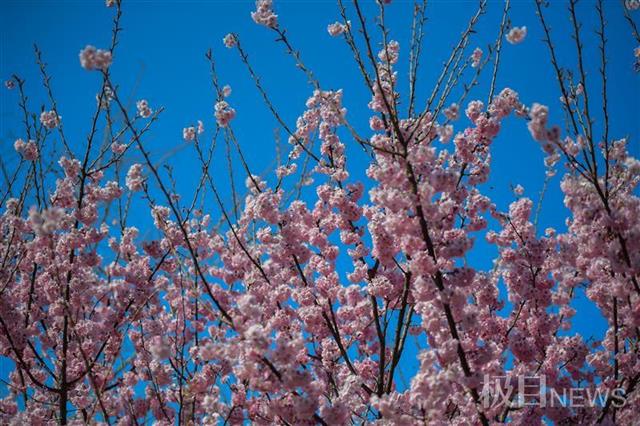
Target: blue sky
x=161, y=58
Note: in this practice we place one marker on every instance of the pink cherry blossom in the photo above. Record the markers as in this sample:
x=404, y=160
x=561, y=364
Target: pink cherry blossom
x=229, y=41
x=336, y=29
x=118, y=148
x=452, y=112
x=476, y=57
x=516, y=35
x=144, y=110
x=50, y=119
x=29, y=150
x=95, y=59
x=189, y=133
x=224, y=113
x=632, y=4
x=135, y=178
x=264, y=15
x=518, y=190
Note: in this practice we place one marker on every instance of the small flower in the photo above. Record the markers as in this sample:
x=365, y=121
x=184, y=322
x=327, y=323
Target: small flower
x=264, y=14
x=453, y=112
x=633, y=165
x=476, y=57
x=200, y=127
x=189, y=133
x=95, y=59
x=106, y=98
x=283, y=171
x=229, y=41
x=10, y=84
x=118, y=148
x=110, y=3
x=516, y=35
x=474, y=109
x=580, y=89
x=224, y=113
x=143, y=108
x=28, y=150
x=226, y=91
x=135, y=179
x=632, y=4
x=445, y=133
x=50, y=119
x=19, y=145
x=390, y=53
x=518, y=190
x=538, y=122
x=336, y=29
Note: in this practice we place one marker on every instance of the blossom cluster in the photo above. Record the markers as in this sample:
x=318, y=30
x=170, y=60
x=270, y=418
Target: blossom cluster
x=95, y=59
x=50, y=119
x=144, y=110
x=224, y=113
x=28, y=150
x=264, y=15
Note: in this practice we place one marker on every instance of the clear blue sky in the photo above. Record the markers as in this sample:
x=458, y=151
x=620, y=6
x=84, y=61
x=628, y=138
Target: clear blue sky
x=161, y=58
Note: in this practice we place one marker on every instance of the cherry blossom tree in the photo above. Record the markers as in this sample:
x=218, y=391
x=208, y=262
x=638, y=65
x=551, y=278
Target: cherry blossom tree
x=250, y=315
